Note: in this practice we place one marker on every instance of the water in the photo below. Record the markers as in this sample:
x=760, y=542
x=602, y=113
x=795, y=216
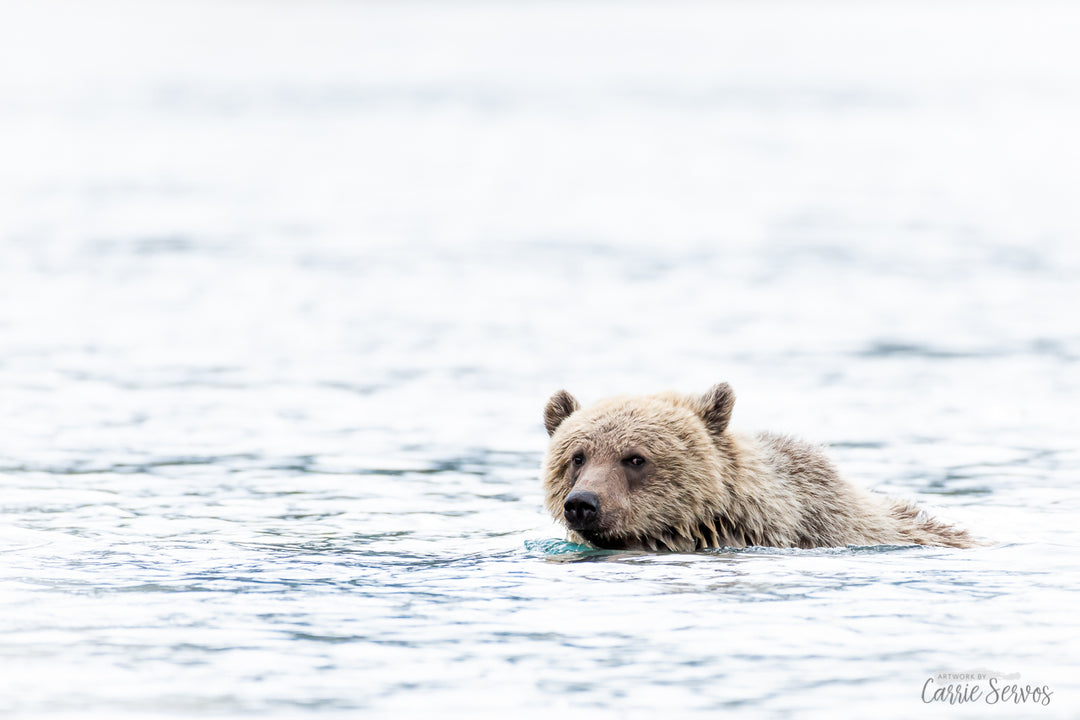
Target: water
x=284, y=287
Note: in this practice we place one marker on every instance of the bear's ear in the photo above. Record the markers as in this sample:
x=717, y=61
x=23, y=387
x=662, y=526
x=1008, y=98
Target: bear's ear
x=561, y=406
x=714, y=407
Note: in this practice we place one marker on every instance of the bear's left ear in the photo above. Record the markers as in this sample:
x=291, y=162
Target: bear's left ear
x=715, y=406
x=561, y=406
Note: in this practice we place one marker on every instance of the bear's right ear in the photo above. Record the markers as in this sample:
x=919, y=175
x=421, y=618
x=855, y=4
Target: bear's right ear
x=561, y=406
x=715, y=406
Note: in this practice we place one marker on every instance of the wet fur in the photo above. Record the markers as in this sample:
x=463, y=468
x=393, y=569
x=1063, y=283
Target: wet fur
x=712, y=488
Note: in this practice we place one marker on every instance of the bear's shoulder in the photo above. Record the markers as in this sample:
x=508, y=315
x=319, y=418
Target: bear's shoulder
x=794, y=457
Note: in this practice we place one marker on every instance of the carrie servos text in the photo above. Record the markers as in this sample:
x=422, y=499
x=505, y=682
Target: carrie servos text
x=983, y=687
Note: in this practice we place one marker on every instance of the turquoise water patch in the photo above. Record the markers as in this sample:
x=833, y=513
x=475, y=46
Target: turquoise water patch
x=552, y=546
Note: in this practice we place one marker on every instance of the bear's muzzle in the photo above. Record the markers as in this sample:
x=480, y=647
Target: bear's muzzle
x=582, y=510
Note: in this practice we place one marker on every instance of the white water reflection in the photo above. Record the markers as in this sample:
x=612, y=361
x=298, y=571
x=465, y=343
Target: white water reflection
x=284, y=287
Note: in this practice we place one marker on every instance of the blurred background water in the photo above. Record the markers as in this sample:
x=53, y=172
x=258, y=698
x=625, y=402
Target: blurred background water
x=285, y=285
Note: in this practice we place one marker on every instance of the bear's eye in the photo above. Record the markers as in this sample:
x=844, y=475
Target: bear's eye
x=578, y=459
x=635, y=461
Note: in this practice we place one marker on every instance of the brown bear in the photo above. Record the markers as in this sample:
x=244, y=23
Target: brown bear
x=662, y=472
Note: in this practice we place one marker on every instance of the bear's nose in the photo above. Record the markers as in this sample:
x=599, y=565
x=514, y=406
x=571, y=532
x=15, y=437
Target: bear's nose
x=581, y=509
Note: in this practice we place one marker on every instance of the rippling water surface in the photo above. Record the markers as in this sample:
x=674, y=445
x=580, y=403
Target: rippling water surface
x=284, y=287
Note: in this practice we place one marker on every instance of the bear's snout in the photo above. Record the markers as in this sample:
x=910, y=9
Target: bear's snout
x=582, y=510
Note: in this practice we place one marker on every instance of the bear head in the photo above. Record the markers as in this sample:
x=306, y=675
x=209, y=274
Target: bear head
x=639, y=473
